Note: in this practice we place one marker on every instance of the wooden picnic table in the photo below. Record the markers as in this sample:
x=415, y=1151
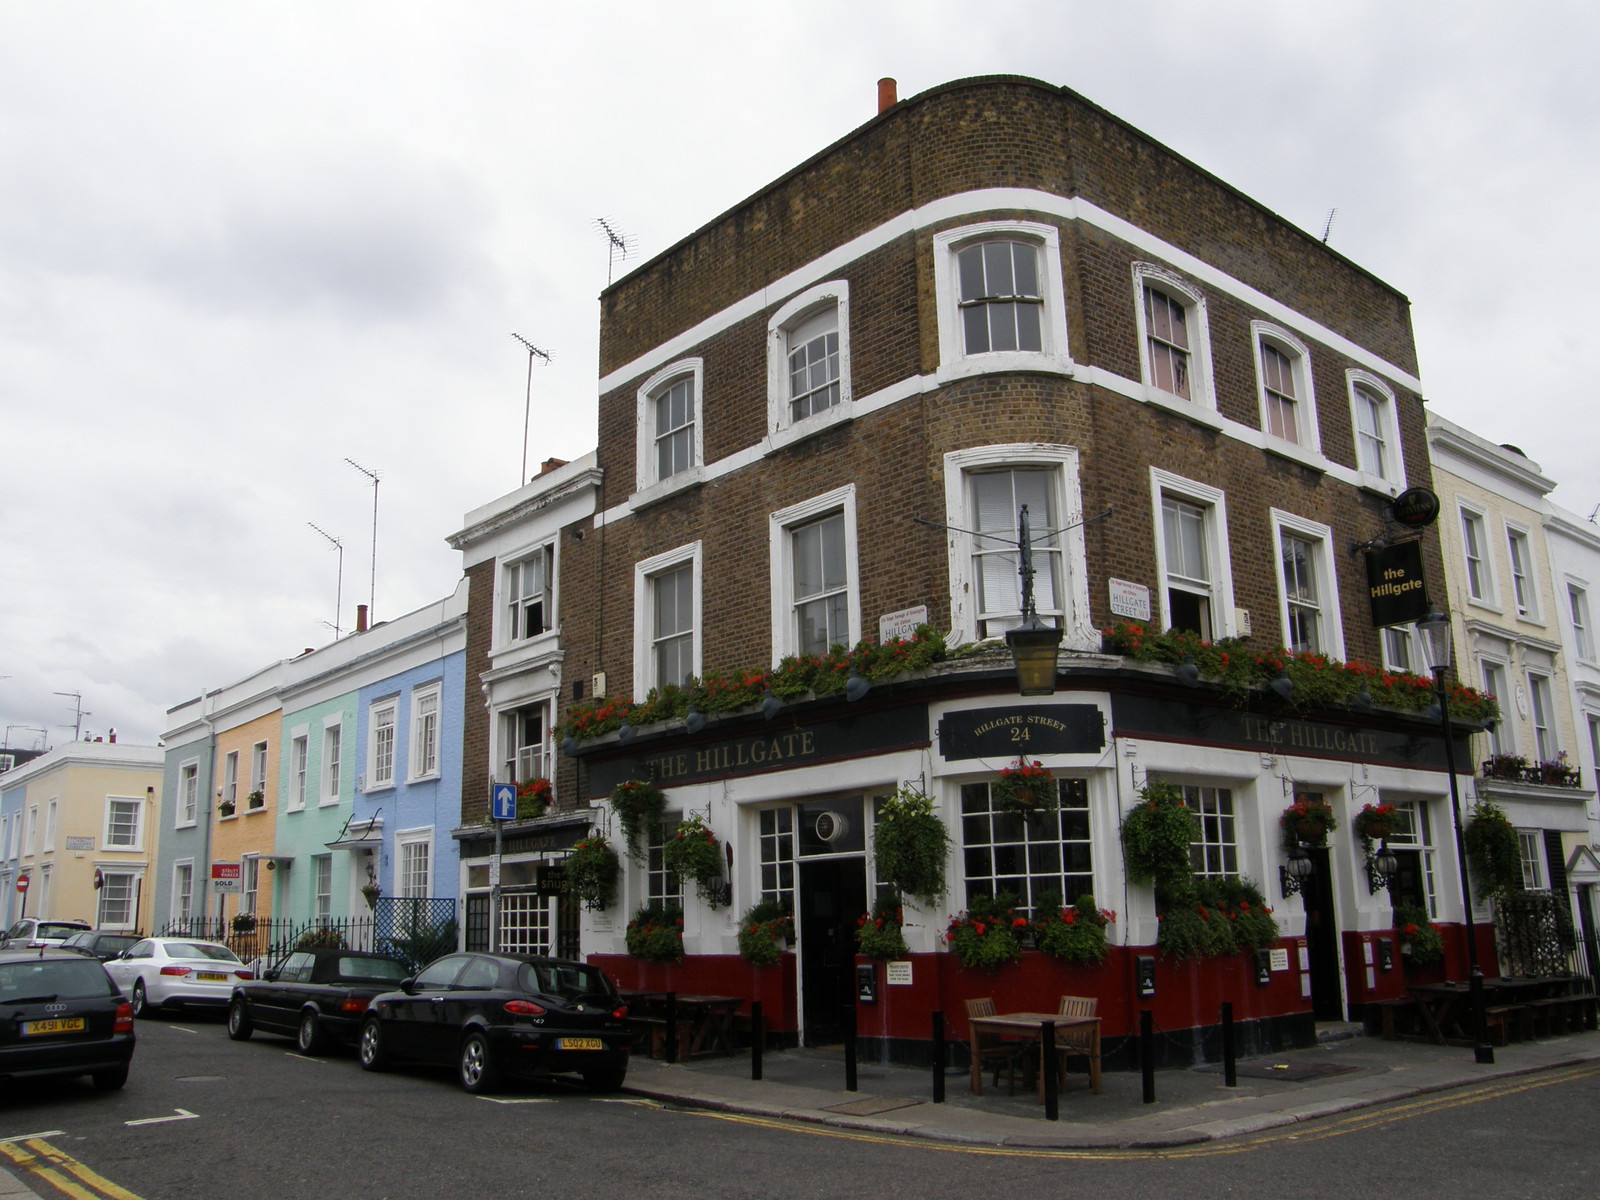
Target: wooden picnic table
x=1446, y=1007
x=705, y=1023
x=1027, y=1025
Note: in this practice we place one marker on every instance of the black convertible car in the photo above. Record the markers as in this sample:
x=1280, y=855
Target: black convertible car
x=496, y=1015
x=318, y=997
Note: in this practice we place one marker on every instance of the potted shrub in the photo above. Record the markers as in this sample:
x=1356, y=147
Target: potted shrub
x=880, y=934
x=1024, y=787
x=592, y=871
x=224, y=808
x=243, y=922
x=656, y=933
x=1505, y=766
x=1074, y=935
x=988, y=935
x=256, y=799
x=693, y=852
x=1309, y=819
x=910, y=845
x=765, y=931
x=638, y=805
x=533, y=799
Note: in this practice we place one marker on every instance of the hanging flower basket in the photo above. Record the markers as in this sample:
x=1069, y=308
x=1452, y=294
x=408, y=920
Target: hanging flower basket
x=1375, y=822
x=592, y=870
x=1309, y=820
x=910, y=845
x=693, y=852
x=533, y=799
x=638, y=805
x=371, y=891
x=1024, y=787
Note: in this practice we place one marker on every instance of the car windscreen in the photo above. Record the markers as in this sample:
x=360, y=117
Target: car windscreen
x=46, y=979
x=378, y=970
x=569, y=981
x=201, y=950
x=50, y=929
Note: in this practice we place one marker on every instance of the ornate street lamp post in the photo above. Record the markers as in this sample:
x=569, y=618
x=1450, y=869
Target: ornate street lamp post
x=1034, y=645
x=1436, y=643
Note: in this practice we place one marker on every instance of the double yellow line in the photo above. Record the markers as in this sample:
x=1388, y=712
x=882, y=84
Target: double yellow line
x=43, y=1163
x=1313, y=1130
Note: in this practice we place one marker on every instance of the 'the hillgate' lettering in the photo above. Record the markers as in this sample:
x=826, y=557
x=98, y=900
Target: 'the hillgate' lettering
x=1301, y=735
x=731, y=756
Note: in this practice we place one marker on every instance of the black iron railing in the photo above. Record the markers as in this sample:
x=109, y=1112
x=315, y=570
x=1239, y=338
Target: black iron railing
x=415, y=930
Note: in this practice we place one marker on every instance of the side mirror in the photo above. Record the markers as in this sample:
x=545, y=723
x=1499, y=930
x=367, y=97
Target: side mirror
x=270, y=976
x=408, y=986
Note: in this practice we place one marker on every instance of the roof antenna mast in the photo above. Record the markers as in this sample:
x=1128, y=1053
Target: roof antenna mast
x=1328, y=228
x=619, y=245
x=338, y=602
x=372, y=583
x=527, y=400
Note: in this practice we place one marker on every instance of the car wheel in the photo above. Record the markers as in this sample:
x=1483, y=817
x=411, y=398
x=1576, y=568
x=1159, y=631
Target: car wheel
x=370, y=1051
x=110, y=1080
x=240, y=1026
x=309, y=1036
x=608, y=1080
x=478, y=1074
x=141, y=1006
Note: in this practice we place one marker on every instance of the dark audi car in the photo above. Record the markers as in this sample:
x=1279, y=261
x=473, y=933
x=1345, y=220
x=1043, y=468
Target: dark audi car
x=60, y=1014
x=497, y=1015
x=317, y=997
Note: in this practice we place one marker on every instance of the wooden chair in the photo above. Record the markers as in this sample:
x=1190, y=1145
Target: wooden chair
x=991, y=1050
x=1078, y=1043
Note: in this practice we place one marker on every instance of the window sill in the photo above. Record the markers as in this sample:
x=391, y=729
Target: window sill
x=295, y=808
x=787, y=435
x=379, y=787
x=1378, y=485
x=328, y=802
x=1000, y=362
x=1190, y=410
x=656, y=492
x=431, y=777
x=1295, y=454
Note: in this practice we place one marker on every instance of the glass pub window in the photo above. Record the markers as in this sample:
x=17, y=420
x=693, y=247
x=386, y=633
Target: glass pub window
x=1028, y=857
x=1000, y=300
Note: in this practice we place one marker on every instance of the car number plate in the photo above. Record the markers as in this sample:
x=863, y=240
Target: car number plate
x=210, y=977
x=59, y=1025
x=582, y=1044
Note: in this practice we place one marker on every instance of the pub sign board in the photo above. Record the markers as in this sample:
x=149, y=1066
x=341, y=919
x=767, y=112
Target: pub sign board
x=1017, y=730
x=1395, y=586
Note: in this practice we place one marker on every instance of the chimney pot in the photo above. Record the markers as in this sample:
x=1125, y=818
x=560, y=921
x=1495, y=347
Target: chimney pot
x=361, y=618
x=113, y=735
x=550, y=464
x=887, y=94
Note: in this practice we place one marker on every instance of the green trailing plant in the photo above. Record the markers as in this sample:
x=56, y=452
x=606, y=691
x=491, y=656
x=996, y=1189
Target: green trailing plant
x=638, y=805
x=1421, y=943
x=796, y=677
x=989, y=934
x=1240, y=903
x=1074, y=935
x=592, y=871
x=880, y=934
x=1374, y=823
x=1156, y=835
x=1309, y=819
x=1024, y=787
x=1317, y=680
x=763, y=930
x=910, y=845
x=655, y=934
x=1493, y=851
x=325, y=938
x=693, y=853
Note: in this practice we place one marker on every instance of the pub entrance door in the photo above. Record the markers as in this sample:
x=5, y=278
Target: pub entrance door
x=831, y=852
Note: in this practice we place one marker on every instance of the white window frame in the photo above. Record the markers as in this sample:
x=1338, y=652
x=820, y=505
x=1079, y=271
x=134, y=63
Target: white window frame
x=1202, y=392
x=1327, y=578
x=1393, y=476
x=406, y=842
x=1583, y=641
x=382, y=714
x=108, y=872
x=794, y=313
x=113, y=803
x=1542, y=715
x=427, y=740
x=1077, y=625
x=520, y=761
x=249, y=882
x=331, y=762
x=1520, y=564
x=1530, y=849
x=1164, y=486
x=780, y=552
x=30, y=838
x=1308, y=435
x=512, y=609
x=1407, y=636
x=258, y=775
x=648, y=483
x=230, y=780
x=644, y=574
x=1493, y=673
x=187, y=808
x=183, y=878
x=1053, y=354
x=321, y=887
x=1474, y=526
x=51, y=811
x=299, y=767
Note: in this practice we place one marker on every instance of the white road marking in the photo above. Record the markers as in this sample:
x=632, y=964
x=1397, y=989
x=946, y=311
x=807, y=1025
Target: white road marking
x=183, y=1029
x=523, y=1100
x=22, y=1137
x=183, y=1115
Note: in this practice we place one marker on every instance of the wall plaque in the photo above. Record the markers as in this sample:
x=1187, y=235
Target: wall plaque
x=1022, y=729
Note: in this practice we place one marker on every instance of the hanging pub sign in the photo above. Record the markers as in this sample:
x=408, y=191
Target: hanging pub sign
x=1395, y=585
x=1416, y=508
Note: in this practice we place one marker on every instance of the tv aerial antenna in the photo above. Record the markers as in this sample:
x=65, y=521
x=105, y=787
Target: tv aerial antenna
x=338, y=603
x=372, y=584
x=527, y=400
x=78, y=716
x=1328, y=227
x=618, y=245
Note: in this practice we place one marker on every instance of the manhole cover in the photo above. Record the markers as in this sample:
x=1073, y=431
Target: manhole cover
x=871, y=1106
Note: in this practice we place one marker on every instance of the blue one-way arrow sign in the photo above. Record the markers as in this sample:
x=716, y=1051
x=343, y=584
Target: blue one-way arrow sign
x=503, y=801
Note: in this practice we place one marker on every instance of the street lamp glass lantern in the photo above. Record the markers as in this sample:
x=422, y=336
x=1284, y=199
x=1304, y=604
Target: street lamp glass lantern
x=1034, y=649
x=1436, y=641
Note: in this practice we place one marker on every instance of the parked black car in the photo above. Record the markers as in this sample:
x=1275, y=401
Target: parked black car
x=497, y=1015
x=62, y=1015
x=317, y=997
x=101, y=944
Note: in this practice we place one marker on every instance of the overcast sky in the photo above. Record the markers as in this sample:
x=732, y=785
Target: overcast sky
x=242, y=242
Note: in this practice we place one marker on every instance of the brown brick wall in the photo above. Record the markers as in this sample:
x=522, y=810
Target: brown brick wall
x=475, y=768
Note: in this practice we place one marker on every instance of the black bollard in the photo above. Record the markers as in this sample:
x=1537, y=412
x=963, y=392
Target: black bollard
x=849, y=1014
x=1230, y=1074
x=938, y=1057
x=758, y=1039
x=672, y=1027
x=1147, y=1055
x=1047, y=1064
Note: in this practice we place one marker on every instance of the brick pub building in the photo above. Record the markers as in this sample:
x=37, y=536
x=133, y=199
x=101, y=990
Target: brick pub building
x=820, y=414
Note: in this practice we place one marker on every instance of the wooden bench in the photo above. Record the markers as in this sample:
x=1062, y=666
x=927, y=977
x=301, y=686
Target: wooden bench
x=1499, y=1018
x=1398, y=1017
x=1555, y=1015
